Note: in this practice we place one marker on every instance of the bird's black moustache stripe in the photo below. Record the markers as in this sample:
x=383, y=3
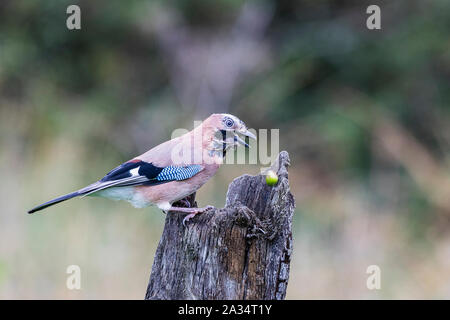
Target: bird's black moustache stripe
x=224, y=145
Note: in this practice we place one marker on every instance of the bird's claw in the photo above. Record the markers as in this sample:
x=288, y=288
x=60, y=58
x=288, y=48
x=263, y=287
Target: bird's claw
x=187, y=218
x=191, y=215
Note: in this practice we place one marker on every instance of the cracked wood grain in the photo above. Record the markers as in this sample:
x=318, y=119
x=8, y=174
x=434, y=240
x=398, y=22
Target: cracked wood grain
x=242, y=251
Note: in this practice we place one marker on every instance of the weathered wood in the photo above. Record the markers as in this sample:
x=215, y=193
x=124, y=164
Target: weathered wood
x=241, y=251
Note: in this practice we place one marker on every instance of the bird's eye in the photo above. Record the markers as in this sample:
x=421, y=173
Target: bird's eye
x=228, y=122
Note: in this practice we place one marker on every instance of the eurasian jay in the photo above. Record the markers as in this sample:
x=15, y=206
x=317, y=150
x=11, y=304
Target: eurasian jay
x=170, y=171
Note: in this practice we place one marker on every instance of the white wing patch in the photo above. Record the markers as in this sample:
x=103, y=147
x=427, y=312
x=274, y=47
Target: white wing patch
x=134, y=172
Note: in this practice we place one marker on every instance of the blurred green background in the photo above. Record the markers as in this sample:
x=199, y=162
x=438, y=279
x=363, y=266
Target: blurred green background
x=364, y=115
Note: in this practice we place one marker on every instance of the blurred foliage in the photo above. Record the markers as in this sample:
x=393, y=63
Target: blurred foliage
x=364, y=115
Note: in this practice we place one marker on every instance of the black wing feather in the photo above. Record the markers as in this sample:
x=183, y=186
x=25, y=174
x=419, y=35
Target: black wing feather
x=146, y=169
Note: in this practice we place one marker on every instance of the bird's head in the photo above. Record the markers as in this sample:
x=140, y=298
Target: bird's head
x=226, y=131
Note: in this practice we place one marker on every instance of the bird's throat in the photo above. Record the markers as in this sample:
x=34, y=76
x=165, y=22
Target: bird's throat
x=218, y=146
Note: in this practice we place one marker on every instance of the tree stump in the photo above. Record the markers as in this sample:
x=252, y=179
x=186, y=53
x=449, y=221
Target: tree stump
x=241, y=251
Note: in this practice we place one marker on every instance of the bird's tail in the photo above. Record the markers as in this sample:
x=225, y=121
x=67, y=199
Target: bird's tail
x=90, y=189
x=55, y=201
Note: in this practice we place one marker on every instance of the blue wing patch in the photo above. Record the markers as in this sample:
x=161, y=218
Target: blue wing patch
x=178, y=173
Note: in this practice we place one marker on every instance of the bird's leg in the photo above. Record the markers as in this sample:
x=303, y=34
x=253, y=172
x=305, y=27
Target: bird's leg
x=191, y=212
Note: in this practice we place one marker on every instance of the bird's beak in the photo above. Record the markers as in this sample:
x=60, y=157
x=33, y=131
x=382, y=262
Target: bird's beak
x=239, y=140
x=246, y=133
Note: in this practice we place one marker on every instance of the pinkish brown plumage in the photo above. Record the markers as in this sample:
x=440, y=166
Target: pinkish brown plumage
x=170, y=171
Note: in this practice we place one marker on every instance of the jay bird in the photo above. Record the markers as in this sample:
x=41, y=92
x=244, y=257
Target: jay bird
x=170, y=171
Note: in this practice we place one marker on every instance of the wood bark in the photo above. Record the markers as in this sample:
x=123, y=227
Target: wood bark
x=242, y=251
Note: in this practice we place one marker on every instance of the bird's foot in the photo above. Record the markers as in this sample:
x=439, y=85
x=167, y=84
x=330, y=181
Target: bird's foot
x=190, y=211
x=195, y=212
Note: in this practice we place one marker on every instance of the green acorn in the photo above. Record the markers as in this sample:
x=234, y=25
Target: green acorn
x=271, y=178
